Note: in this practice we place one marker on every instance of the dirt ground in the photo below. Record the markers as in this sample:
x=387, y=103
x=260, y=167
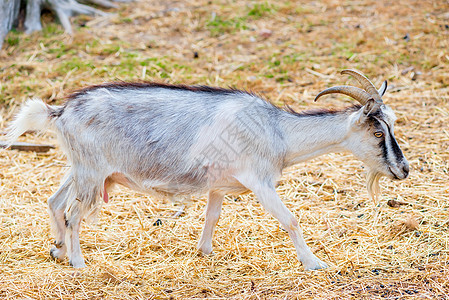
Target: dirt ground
x=286, y=51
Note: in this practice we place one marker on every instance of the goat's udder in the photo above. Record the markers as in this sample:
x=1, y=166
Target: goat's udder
x=105, y=195
x=118, y=178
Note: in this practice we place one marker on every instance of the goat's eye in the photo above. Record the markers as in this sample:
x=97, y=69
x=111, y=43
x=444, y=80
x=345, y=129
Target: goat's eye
x=378, y=134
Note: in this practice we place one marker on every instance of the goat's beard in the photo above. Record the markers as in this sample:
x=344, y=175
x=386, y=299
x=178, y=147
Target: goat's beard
x=372, y=184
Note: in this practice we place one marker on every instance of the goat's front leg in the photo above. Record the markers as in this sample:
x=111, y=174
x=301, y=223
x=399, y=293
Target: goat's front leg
x=273, y=204
x=213, y=210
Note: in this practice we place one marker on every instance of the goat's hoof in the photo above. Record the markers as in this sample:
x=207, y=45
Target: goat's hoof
x=77, y=262
x=316, y=264
x=57, y=253
x=206, y=250
x=211, y=253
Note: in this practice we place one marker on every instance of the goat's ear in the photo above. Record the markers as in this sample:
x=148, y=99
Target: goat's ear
x=383, y=88
x=370, y=106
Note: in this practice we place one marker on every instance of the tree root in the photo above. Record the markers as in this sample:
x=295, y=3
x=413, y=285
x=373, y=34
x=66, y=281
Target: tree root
x=9, y=11
x=64, y=9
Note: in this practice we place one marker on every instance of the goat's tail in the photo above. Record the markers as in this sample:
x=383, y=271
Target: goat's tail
x=34, y=115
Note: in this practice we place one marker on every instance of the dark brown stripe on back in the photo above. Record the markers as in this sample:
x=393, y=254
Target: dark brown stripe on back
x=148, y=85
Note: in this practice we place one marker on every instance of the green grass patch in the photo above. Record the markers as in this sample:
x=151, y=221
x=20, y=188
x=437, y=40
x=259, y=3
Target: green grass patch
x=51, y=30
x=219, y=25
x=260, y=10
x=75, y=63
x=12, y=40
x=110, y=49
x=280, y=64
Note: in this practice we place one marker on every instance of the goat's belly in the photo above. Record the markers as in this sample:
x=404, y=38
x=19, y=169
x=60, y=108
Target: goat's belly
x=230, y=186
x=233, y=190
x=172, y=188
x=175, y=189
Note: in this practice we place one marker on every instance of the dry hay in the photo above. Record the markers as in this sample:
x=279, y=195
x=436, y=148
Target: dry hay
x=396, y=247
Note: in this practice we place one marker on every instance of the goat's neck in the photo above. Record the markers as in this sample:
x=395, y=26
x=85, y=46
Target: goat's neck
x=308, y=136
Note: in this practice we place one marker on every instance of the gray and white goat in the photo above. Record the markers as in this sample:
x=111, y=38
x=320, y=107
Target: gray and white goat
x=178, y=140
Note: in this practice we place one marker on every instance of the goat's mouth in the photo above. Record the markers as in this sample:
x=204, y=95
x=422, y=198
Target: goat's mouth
x=395, y=177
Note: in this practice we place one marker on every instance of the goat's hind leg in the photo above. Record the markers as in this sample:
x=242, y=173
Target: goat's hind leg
x=73, y=223
x=85, y=196
x=56, y=206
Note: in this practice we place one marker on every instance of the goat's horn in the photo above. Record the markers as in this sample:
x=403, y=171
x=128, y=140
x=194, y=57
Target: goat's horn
x=352, y=91
x=367, y=85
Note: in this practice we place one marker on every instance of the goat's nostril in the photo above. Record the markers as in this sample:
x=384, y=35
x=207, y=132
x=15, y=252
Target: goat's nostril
x=406, y=169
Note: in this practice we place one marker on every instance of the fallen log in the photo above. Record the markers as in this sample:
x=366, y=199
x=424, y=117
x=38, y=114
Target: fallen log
x=21, y=146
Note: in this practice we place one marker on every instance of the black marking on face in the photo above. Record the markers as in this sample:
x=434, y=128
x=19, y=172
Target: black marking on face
x=383, y=148
x=394, y=145
x=375, y=119
x=377, y=126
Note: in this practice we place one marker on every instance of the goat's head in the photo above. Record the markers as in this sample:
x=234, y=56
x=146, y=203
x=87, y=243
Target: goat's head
x=371, y=137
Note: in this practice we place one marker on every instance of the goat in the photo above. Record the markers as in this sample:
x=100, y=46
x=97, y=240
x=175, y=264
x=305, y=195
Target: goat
x=177, y=140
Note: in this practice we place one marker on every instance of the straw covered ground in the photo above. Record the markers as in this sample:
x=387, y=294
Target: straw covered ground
x=287, y=51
